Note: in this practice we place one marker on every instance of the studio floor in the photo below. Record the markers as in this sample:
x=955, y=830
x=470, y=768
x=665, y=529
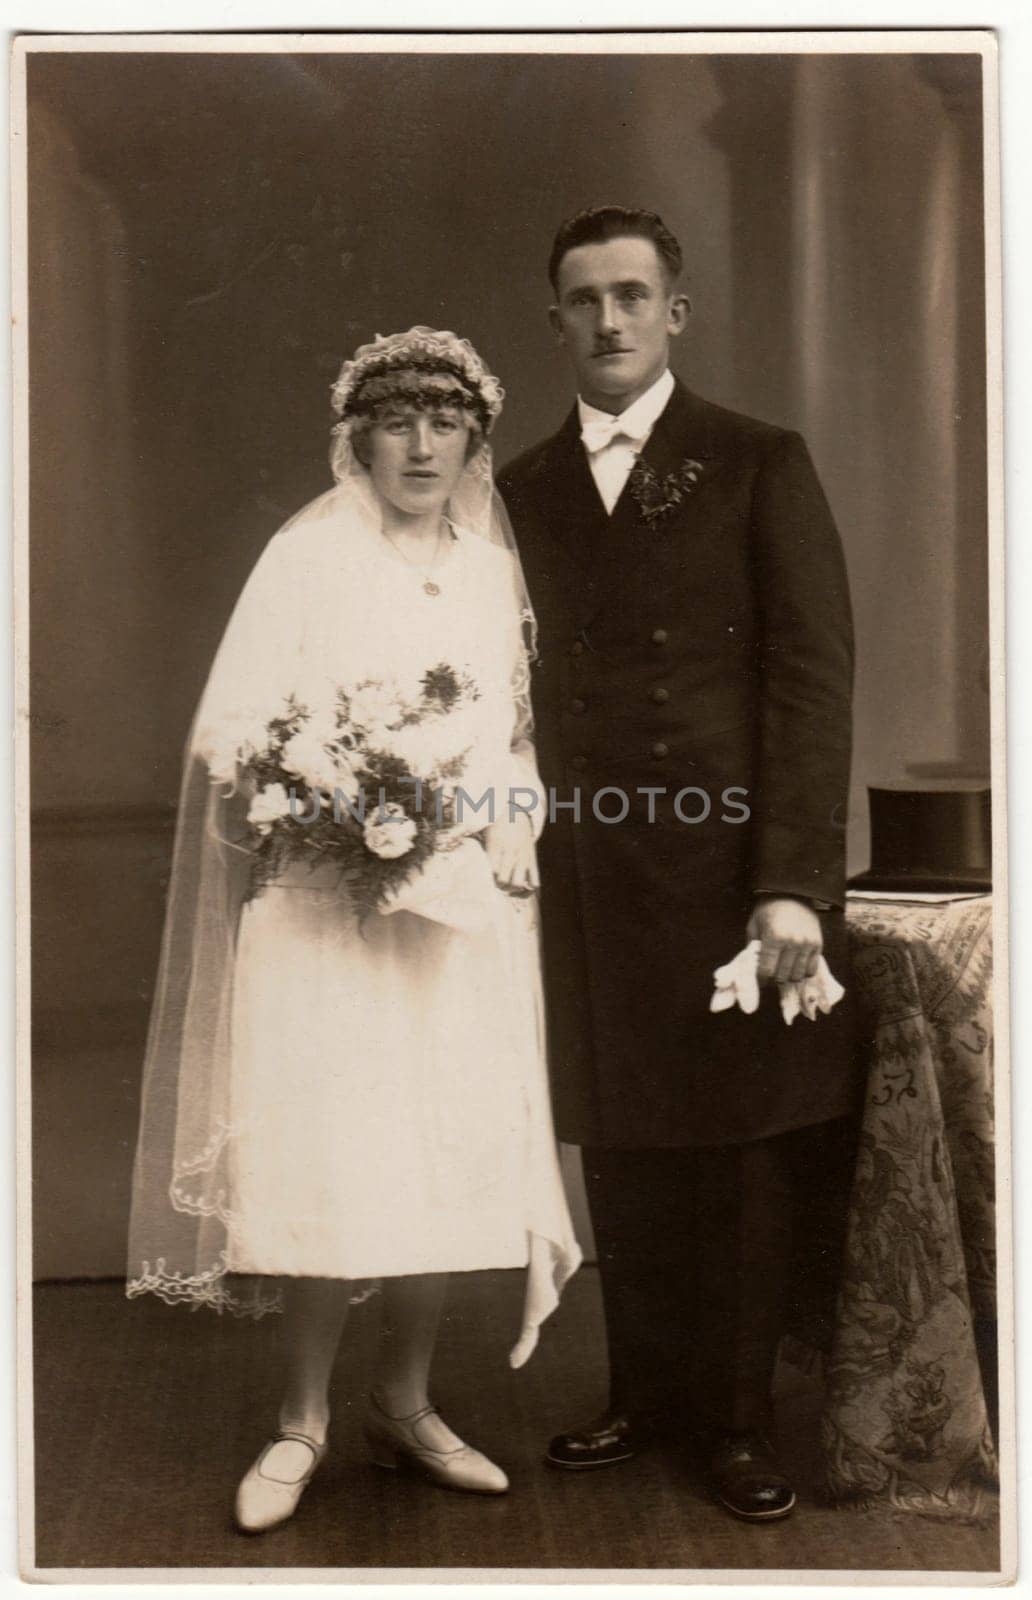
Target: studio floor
x=146, y=1416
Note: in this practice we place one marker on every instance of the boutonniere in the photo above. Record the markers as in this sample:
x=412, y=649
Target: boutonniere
x=655, y=496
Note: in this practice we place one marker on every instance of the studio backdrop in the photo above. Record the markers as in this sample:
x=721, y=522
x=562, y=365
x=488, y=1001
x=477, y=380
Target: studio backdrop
x=210, y=235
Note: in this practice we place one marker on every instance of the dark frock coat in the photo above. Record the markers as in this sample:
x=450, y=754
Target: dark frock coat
x=707, y=649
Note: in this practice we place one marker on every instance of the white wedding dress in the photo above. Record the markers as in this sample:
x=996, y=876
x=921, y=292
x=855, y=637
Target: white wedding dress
x=383, y=1104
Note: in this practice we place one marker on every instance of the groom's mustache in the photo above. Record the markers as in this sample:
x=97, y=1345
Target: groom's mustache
x=613, y=350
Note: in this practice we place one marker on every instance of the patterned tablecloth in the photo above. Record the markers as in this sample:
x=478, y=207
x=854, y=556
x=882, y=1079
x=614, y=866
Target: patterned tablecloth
x=906, y=1418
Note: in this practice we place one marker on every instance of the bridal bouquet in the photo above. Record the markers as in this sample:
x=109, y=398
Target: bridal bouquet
x=366, y=784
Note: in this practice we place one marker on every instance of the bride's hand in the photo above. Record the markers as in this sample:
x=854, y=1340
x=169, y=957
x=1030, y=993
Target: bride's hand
x=510, y=850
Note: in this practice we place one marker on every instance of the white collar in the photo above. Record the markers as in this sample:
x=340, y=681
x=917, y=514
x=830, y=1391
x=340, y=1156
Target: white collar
x=640, y=418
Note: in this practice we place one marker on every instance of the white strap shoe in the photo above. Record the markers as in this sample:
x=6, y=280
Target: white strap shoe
x=271, y=1488
x=395, y=1442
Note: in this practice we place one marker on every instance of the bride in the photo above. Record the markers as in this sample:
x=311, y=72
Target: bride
x=345, y=1083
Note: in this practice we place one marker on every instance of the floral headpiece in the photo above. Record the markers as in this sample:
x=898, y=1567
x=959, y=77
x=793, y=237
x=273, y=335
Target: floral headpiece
x=423, y=367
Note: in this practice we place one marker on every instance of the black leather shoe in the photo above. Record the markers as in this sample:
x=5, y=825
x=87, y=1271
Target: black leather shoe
x=746, y=1478
x=601, y=1443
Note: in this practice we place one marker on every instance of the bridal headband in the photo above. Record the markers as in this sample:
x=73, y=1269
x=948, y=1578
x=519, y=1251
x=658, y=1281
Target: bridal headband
x=423, y=367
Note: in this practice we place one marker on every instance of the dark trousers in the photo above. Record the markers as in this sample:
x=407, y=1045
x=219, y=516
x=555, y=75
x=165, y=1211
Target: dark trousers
x=707, y=1257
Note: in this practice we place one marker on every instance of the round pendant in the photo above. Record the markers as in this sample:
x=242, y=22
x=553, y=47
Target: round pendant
x=430, y=587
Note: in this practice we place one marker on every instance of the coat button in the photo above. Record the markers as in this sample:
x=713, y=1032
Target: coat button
x=659, y=636
x=578, y=707
x=659, y=750
x=660, y=695
x=578, y=763
x=577, y=647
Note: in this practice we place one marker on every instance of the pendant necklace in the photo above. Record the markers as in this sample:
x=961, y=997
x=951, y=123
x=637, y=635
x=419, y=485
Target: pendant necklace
x=429, y=586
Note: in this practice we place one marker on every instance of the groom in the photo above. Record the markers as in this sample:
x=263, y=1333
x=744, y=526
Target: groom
x=692, y=697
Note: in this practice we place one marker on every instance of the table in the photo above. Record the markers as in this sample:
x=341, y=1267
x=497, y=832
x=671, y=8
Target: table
x=905, y=1416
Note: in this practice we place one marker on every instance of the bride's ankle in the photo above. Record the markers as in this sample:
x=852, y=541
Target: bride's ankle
x=399, y=1400
x=309, y=1422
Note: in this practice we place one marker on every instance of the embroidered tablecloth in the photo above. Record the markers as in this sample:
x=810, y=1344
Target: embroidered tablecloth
x=905, y=1417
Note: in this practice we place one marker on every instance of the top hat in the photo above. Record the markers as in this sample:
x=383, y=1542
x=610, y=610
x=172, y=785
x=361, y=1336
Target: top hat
x=929, y=840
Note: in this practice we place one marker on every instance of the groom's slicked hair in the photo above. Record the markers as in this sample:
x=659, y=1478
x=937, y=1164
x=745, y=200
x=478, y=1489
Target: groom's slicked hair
x=600, y=223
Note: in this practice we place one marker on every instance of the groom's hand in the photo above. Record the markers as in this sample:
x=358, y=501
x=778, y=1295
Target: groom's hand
x=510, y=850
x=790, y=940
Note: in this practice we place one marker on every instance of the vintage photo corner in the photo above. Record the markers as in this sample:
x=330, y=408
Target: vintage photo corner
x=509, y=579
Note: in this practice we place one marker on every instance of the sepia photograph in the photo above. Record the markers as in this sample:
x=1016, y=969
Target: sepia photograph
x=512, y=905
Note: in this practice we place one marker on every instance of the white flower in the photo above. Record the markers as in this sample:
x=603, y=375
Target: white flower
x=389, y=833
x=418, y=746
x=322, y=725
x=458, y=729
x=492, y=393
x=306, y=754
x=375, y=707
x=234, y=741
x=268, y=806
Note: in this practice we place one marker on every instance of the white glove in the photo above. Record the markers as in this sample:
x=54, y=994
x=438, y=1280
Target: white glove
x=737, y=984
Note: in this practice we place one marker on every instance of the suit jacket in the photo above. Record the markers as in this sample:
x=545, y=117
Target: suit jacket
x=707, y=651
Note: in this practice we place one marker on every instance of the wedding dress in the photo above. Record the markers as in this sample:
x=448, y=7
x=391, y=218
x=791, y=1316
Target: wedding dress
x=328, y=1095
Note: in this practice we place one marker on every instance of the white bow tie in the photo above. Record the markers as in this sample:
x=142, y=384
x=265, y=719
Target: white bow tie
x=598, y=432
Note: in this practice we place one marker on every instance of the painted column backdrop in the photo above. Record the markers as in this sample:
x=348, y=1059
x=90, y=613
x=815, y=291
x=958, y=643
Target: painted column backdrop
x=210, y=235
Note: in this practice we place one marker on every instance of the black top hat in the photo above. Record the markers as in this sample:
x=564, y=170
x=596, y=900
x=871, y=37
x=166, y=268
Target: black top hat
x=929, y=840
